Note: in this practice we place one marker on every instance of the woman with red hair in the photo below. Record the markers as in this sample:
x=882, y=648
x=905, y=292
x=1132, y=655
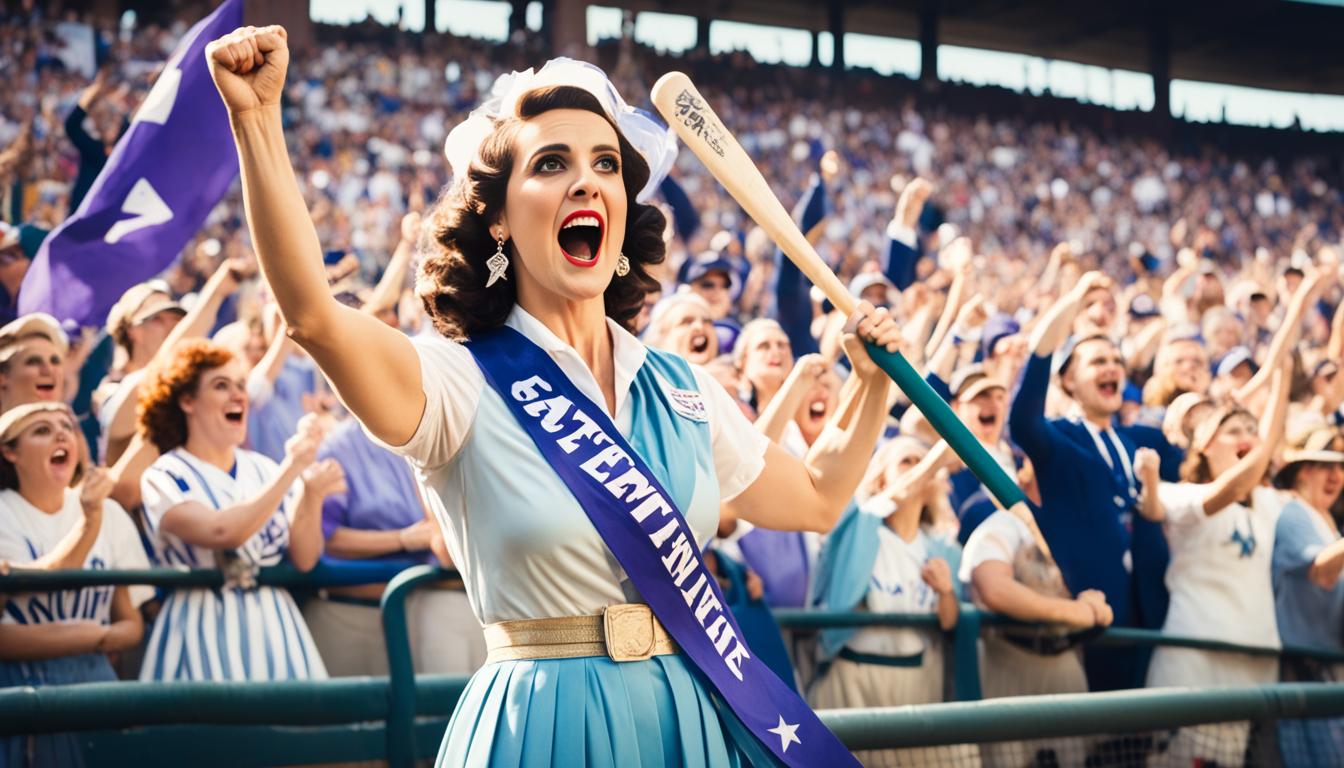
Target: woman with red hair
x=209, y=503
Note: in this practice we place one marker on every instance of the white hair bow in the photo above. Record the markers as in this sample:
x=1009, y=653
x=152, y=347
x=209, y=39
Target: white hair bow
x=653, y=140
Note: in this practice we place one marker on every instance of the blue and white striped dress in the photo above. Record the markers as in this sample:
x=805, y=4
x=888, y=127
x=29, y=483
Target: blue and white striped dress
x=228, y=633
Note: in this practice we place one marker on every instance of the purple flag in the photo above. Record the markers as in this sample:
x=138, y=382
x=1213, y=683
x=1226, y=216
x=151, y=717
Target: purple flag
x=165, y=174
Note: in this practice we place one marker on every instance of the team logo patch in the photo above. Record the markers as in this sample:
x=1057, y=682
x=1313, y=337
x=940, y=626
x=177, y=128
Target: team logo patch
x=688, y=404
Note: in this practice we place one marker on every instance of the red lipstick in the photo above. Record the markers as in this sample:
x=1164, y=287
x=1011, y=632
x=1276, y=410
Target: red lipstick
x=602, y=229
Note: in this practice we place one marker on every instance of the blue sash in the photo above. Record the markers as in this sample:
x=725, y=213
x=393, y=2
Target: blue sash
x=649, y=537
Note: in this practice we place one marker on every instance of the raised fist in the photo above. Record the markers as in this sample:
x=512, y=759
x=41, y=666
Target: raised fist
x=249, y=65
x=95, y=489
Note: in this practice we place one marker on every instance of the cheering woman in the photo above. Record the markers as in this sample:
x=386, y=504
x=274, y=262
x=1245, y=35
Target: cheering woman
x=575, y=472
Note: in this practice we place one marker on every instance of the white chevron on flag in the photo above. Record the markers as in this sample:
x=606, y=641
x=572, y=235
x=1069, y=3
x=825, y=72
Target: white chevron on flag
x=158, y=104
x=148, y=209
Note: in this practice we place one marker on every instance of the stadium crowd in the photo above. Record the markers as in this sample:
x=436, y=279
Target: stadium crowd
x=1147, y=336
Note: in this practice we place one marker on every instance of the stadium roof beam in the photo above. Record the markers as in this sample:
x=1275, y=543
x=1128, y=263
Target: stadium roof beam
x=1271, y=43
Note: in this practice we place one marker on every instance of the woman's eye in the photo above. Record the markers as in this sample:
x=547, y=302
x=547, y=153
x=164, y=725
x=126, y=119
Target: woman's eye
x=609, y=164
x=549, y=164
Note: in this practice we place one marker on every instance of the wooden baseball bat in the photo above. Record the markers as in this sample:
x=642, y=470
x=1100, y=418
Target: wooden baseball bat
x=689, y=114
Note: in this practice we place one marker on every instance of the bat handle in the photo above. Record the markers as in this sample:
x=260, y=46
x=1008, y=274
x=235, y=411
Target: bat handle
x=946, y=423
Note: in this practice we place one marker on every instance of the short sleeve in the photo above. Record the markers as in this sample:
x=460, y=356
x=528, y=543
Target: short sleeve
x=1296, y=543
x=1183, y=503
x=128, y=552
x=739, y=448
x=13, y=544
x=452, y=385
x=160, y=491
x=998, y=538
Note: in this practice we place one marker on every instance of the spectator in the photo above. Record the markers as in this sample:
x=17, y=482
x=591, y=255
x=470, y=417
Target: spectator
x=1308, y=591
x=209, y=503
x=18, y=248
x=380, y=515
x=32, y=362
x=49, y=523
x=1009, y=570
x=1219, y=577
x=763, y=359
x=683, y=324
x=147, y=323
x=1089, y=490
x=95, y=149
x=886, y=556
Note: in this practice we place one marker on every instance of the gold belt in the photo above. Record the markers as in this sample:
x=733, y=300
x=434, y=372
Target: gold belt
x=626, y=632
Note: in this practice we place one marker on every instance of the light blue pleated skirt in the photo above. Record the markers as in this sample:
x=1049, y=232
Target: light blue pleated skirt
x=596, y=712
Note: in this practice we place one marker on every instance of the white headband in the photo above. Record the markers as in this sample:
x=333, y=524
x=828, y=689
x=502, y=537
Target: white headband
x=654, y=141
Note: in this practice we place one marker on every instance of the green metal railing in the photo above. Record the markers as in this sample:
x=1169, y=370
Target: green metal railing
x=402, y=717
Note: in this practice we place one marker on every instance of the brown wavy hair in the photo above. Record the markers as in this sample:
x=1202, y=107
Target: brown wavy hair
x=162, y=421
x=451, y=282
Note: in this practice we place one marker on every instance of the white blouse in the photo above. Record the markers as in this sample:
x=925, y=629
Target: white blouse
x=522, y=543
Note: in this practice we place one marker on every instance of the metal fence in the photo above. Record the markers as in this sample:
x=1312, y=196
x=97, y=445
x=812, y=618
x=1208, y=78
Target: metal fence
x=401, y=718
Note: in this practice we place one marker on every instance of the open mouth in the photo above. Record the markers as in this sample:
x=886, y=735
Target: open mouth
x=580, y=237
x=699, y=343
x=817, y=410
x=988, y=419
x=1242, y=451
x=46, y=389
x=234, y=416
x=60, y=457
x=1109, y=388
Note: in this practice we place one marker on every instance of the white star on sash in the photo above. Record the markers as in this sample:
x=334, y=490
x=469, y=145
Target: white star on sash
x=787, y=734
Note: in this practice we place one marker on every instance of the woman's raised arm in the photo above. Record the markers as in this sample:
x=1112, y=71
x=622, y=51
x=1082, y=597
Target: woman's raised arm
x=373, y=367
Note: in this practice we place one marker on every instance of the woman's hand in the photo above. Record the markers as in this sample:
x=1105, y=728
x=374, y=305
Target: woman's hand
x=98, y=483
x=301, y=447
x=876, y=325
x=1095, y=601
x=324, y=478
x=249, y=65
x=418, y=536
x=938, y=575
x=1148, y=466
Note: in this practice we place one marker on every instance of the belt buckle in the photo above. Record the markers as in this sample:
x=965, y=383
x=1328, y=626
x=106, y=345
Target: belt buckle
x=629, y=631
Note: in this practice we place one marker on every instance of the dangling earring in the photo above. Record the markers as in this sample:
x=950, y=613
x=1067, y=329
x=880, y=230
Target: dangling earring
x=498, y=264
x=622, y=266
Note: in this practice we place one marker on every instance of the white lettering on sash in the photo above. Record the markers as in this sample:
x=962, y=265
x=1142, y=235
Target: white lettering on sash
x=656, y=502
x=525, y=391
x=660, y=536
x=553, y=409
x=587, y=429
x=708, y=602
x=689, y=594
x=681, y=561
x=631, y=479
x=631, y=485
x=606, y=457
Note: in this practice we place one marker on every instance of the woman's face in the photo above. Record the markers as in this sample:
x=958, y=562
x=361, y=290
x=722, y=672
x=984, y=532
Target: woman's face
x=217, y=411
x=1320, y=483
x=716, y=289
x=1227, y=332
x=1236, y=437
x=46, y=451
x=565, y=209
x=767, y=358
x=688, y=331
x=817, y=406
x=902, y=460
x=1188, y=366
x=985, y=414
x=36, y=373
